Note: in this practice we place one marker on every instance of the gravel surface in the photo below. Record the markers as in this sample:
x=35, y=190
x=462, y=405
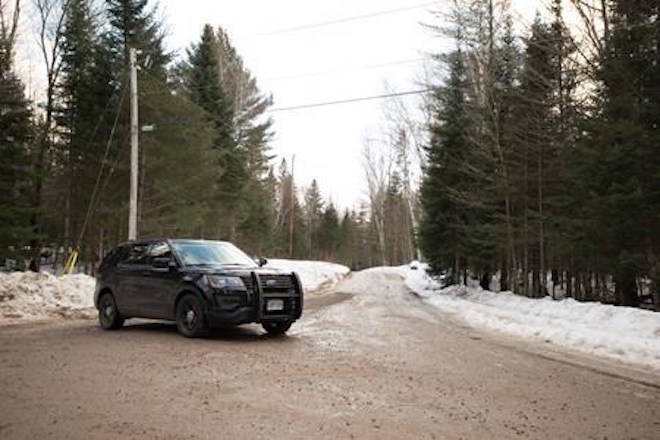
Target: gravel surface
x=368, y=360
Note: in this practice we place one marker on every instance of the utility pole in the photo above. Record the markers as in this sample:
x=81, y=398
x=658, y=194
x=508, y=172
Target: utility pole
x=292, y=210
x=132, y=208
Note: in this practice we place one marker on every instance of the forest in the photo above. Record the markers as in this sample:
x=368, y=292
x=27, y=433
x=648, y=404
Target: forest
x=543, y=162
x=206, y=169
x=535, y=164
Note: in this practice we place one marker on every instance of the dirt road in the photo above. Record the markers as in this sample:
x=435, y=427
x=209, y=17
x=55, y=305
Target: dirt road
x=369, y=360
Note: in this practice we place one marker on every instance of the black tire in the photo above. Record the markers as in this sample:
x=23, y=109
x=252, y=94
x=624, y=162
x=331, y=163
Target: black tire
x=109, y=316
x=190, y=317
x=276, y=327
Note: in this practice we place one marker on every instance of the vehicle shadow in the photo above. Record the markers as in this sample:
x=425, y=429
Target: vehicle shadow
x=244, y=333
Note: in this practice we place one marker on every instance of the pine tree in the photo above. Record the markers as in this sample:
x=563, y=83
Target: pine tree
x=77, y=115
x=328, y=233
x=15, y=136
x=624, y=169
x=444, y=214
x=535, y=134
x=313, y=211
x=204, y=85
x=134, y=25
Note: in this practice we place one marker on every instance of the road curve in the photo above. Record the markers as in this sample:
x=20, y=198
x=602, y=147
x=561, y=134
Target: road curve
x=368, y=360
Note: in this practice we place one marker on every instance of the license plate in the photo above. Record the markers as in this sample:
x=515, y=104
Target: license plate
x=275, y=305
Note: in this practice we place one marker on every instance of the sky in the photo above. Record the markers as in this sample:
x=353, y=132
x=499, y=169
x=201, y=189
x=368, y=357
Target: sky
x=351, y=59
x=320, y=64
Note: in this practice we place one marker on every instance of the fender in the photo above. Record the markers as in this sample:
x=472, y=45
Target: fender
x=189, y=285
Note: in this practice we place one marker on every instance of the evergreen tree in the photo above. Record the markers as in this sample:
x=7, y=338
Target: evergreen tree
x=328, y=233
x=535, y=134
x=624, y=166
x=444, y=214
x=313, y=210
x=205, y=86
x=134, y=25
x=77, y=112
x=15, y=137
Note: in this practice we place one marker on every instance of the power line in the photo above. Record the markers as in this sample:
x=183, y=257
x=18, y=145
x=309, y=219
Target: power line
x=346, y=69
x=301, y=75
x=350, y=100
x=344, y=20
x=93, y=199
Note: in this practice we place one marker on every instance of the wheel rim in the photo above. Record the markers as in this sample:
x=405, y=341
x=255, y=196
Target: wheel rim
x=189, y=315
x=107, y=311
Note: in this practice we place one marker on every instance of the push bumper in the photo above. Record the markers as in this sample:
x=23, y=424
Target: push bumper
x=236, y=309
x=228, y=318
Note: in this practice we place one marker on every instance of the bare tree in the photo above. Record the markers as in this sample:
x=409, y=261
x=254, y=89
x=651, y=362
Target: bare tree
x=377, y=166
x=8, y=26
x=50, y=27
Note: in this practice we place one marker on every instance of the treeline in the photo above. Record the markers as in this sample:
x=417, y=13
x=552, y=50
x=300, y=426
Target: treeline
x=543, y=164
x=205, y=166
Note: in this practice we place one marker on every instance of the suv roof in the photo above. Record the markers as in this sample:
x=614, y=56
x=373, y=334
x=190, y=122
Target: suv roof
x=153, y=240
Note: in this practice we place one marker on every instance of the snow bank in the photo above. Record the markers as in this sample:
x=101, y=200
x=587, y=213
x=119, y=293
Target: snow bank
x=33, y=296
x=623, y=333
x=313, y=274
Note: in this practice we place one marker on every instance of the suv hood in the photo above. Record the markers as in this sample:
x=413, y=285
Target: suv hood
x=233, y=270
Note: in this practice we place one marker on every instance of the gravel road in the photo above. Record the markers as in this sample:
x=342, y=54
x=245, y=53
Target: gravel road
x=368, y=360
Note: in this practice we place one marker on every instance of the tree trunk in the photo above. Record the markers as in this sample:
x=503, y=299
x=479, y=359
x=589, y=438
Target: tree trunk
x=504, y=275
x=541, y=291
x=625, y=288
x=485, y=281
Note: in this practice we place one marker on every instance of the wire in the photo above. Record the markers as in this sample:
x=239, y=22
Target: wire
x=93, y=200
x=344, y=20
x=350, y=100
x=301, y=75
x=346, y=69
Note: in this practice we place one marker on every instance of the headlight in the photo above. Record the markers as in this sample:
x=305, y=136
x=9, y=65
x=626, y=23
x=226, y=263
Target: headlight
x=227, y=283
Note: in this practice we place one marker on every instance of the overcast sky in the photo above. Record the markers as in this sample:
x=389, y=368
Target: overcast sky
x=318, y=64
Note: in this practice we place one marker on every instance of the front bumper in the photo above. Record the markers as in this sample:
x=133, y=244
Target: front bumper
x=217, y=317
x=233, y=309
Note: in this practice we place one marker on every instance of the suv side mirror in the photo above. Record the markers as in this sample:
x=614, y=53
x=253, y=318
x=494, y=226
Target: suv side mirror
x=262, y=261
x=163, y=263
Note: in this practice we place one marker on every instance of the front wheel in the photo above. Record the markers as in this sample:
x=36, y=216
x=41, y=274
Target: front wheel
x=190, y=319
x=109, y=316
x=276, y=328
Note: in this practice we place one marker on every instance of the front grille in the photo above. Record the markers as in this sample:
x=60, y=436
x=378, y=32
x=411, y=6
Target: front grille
x=276, y=283
x=249, y=283
x=249, y=286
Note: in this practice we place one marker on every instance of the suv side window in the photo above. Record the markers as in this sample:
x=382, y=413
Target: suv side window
x=136, y=255
x=113, y=257
x=159, y=250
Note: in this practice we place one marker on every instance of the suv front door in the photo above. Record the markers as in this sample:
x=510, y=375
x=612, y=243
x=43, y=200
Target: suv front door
x=161, y=280
x=130, y=274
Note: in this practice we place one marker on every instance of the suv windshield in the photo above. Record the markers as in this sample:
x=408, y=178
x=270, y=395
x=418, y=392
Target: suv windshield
x=203, y=253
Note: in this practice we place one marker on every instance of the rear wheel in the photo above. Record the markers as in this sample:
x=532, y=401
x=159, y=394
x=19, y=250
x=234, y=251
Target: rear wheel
x=276, y=328
x=109, y=316
x=190, y=319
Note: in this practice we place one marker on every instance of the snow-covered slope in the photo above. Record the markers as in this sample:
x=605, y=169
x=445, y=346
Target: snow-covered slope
x=313, y=274
x=30, y=296
x=33, y=296
x=623, y=333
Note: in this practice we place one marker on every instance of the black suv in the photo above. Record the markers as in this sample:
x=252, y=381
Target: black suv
x=197, y=283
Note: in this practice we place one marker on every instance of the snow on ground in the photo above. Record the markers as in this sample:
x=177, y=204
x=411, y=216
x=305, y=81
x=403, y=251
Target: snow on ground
x=26, y=296
x=34, y=296
x=313, y=274
x=623, y=333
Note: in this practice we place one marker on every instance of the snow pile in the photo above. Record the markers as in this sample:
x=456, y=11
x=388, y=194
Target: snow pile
x=33, y=296
x=623, y=333
x=313, y=274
